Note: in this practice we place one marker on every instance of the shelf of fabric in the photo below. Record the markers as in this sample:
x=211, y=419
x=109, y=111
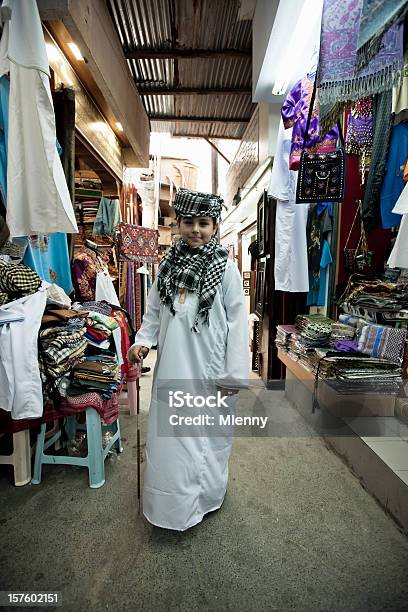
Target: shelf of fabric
x=88, y=193
x=337, y=404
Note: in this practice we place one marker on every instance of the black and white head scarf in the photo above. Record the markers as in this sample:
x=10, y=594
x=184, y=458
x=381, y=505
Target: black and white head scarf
x=196, y=269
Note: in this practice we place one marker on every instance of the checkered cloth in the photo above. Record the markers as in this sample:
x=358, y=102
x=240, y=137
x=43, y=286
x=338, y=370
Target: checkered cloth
x=17, y=280
x=189, y=203
x=199, y=270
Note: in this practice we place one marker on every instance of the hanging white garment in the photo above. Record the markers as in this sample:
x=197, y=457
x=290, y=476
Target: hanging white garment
x=291, y=264
x=186, y=477
x=401, y=205
x=38, y=200
x=104, y=289
x=399, y=254
x=20, y=380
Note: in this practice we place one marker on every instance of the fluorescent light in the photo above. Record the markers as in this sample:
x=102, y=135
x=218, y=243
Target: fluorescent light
x=52, y=52
x=119, y=126
x=99, y=126
x=76, y=52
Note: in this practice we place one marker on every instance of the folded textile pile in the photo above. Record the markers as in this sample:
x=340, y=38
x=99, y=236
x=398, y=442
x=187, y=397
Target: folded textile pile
x=100, y=373
x=283, y=333
x=60, y=348
x=383, y=342
x=16, y=281
x=341, y=332
x=314, y=329
x=387, y=299
x=359, y=374
x=99, y=328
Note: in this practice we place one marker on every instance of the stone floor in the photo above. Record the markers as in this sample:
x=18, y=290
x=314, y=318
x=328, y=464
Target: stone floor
x=296, y=532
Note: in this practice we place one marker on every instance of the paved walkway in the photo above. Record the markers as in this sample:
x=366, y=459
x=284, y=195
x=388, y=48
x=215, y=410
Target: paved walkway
x=296, y=532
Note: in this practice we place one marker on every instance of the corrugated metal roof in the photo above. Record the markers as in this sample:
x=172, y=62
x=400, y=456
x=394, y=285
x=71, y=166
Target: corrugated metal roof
x=187, y=24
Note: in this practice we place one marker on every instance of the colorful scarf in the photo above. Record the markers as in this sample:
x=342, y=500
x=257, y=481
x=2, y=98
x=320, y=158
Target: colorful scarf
x=196, y=269
x=376, y=18
x=339, y=81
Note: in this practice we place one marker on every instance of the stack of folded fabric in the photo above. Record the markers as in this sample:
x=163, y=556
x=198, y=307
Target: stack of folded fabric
x=283, y=333
x=357, y=374
x=61, y=347
x=16, y=281
x=387, y=301
x=298, y=351
x=100, y=373
x=342, y=335
x=314, y=330
x=99, y=328
x=383, y=342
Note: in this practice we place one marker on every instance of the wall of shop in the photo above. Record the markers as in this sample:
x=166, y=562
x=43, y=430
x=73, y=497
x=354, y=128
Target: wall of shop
x=88, y=119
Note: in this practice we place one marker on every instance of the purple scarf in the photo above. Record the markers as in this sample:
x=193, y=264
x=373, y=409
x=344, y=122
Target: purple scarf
x=339, y=81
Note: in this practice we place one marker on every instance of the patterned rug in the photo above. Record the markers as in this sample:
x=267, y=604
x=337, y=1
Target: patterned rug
x=138, y=243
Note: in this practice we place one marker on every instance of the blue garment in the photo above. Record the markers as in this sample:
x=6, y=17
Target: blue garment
x=107, y=218
x=49, y=257
x=4, y=106
x=394, y=183
x=317, y=283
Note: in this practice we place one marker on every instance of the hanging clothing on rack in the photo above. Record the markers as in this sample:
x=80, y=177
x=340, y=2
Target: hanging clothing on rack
x=394, y=183
x=33, y=206
x=291, y=267
x=85, y=266
x=49, y=257
x=107, y=218
x=294, y=114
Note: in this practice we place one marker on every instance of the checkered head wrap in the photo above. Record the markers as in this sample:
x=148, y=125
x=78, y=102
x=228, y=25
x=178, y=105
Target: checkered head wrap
x=197, y=269
x=189, y=203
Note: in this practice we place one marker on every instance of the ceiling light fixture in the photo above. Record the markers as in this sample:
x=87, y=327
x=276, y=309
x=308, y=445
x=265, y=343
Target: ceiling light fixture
x=76, y=52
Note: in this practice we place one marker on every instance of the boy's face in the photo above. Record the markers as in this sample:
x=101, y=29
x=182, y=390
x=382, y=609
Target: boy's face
x=197, y=231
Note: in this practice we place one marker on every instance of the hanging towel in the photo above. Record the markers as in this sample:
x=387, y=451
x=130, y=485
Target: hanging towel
x=107, y=217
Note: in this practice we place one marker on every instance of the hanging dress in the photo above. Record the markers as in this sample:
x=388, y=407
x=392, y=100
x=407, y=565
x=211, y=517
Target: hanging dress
x=186, y=477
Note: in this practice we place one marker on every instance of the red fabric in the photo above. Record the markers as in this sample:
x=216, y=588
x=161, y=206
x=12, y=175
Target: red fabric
x=124, y=336
x=107, y=409
x=96, y=334
x=378, y=240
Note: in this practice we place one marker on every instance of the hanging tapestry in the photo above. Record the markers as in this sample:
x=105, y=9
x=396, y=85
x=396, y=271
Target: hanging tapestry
x=138, y=243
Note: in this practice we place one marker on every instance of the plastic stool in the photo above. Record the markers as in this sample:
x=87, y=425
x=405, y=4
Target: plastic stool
x=94, y=461
x=20, y=458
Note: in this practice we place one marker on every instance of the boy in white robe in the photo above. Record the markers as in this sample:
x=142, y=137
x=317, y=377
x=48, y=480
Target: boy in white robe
x=196, y=315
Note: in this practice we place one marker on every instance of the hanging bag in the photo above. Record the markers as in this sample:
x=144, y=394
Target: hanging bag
x=321, y=176
x=359, y=259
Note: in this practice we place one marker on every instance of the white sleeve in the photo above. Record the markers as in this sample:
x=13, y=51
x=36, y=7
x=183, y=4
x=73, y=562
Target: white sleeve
x=236, y=368
x=148, y=333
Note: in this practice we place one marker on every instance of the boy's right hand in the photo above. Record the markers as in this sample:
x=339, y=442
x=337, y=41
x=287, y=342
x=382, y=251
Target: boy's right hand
x=137, y=353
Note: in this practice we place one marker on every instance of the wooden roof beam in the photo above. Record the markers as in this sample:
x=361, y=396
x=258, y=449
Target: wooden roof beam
x=148, y=53
x=189, y=91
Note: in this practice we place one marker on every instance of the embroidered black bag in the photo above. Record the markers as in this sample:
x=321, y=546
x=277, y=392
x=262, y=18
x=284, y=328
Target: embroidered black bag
x=321, y=176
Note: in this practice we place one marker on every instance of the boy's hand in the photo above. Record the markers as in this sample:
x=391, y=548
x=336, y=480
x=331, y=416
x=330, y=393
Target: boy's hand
x=226, y=392
x=137, y=353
